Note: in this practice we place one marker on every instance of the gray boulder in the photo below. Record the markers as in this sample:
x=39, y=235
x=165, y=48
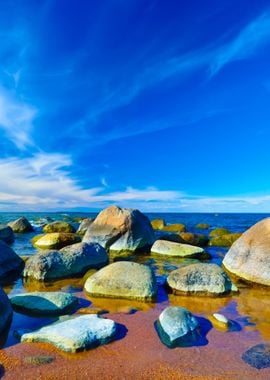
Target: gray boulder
x=5, y=311
x=123, y=279
x=121, y=229
x=75, y=334
x=72, y=260
x=208, y=279
x=6, y=234
x=84, y=225
x=177, y=325
x=21, y=225
x=45, y=303
x=10, y=262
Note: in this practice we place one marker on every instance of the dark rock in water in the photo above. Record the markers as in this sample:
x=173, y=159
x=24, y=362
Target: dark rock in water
x=21, y=225
x=177, y=326
x=58, y=226
x=10, y=262
x=38, y=360
x=258, y=356
x=73, y=260
x=6, y=234
x=121, y=229
x=5, y=311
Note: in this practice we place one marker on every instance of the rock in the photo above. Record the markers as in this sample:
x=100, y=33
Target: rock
x=84, y=226
x=58, y=226
x=202, y=226
x=201, y=279
x=179, y=227
x=226, y=240
x=249, y=256
x=221, y=318
x=176, y=325
x=5, y=311
x=169, y=248
x=76, y=334
x=220, y=321
x=10, y=262
x=56, y=240
x=158, y=224
x=199, y=240
x=92, y=310
x=38, y=360
x=6, y=234
x=73, y=260
x=123, y=279
x=120, y=229
x=258, y=356
x=45, y=303
x=218, y=232
x=21, y=225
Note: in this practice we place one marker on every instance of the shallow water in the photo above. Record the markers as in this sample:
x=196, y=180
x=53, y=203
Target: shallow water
x=218, y=357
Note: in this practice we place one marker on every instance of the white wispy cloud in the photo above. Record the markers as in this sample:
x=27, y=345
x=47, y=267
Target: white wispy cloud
x=16, y=119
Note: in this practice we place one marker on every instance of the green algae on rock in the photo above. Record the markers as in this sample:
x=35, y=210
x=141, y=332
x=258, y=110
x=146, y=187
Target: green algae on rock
x=163, y=247
x=203, y=226
x=58, y=226
x=158, y=224
x=56, y=240
x=177, y=227
x=218, y=232
x=225, y=240
x=123, y=279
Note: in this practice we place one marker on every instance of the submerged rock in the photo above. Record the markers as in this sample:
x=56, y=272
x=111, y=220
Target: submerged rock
x=58, y=226
x=21, y=225
x=169, y=248
x=56, y=240
x=258, y=356
x=176, y=326
x=225, y=240
x=45, y=303
x=73, y=260
x=123, y=279
x=178, y=227
x=6, y=234
x=249, y=256
x=219, y=232
x=120, y=229
x=203, y=226
x=200, y=279
x=5, y=311
x=84, y=225
x=10, y=262
x=76, y=334
x=199, y=240
x=158, y=224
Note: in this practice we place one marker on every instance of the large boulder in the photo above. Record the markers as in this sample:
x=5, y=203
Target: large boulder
x=177, y=227
x=199, y=279
x=158, y=224
x=226, y=240
x=76, y=334
x=45, y=303
x=58, y=226
x=21, y=225
x=70, y=261
x=84, y=225
x=169, y=248
x=177, y=325
x=123, y=279
x=120, y=229
x=10, y=262
x=6, y=234
x=5, y=311
x=249, y=256
x=56, y=240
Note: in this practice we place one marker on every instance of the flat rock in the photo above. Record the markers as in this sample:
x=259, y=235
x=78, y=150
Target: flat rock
x=70, y=261
x=56, y=240
x=169, y=248
x=21, y=225
x=45, y=303
x=249, y=257
x=6, y=234
x=76, y=334
x=10, y=262
x=176, y=325
x=201, y=279
x=123, y=279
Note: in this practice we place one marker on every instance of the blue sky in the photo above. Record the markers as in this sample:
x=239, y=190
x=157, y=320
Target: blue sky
x=158, y=105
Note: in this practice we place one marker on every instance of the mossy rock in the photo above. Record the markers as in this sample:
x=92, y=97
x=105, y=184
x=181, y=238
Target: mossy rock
x=177, y=227
x=226, y=240
x=158, y=224
x=58, y=226
x=219, y=232
x=36, y=238
x=203, y=226
x=199, y=240
x=56, y=240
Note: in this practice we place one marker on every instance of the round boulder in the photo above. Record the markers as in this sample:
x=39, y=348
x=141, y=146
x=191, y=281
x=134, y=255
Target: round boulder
x=123, y=279
x=177, y=227
x=6, y=234
x=202, y=226
x=249, y=256
x=225, y=240
x=21, y=225
x=218, y=232
x=56, y=240
x=199, y=279
x=58, y=226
